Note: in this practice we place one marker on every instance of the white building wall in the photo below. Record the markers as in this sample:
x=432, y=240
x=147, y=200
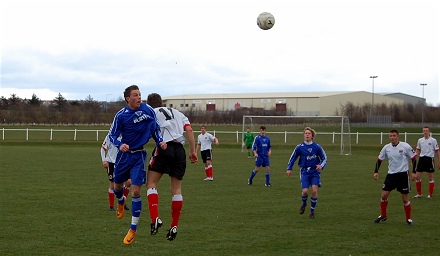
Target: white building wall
x=296, y=103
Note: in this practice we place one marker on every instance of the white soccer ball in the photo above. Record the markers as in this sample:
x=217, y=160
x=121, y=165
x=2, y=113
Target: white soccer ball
x=265, y=20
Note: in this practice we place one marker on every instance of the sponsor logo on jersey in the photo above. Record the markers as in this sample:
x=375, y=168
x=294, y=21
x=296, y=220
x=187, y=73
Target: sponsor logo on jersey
x=311, y=157
x=141, y=118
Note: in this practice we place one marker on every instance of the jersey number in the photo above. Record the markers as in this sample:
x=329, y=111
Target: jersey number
x=167, y=116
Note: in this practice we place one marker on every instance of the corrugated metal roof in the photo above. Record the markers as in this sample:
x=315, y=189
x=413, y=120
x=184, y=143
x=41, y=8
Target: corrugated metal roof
x=257, y=95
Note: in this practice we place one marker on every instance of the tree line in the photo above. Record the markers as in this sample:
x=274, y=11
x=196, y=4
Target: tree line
x=15, y=110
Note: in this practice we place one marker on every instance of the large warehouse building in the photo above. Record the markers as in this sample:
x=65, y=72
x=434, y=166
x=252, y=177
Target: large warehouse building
x=293, y=103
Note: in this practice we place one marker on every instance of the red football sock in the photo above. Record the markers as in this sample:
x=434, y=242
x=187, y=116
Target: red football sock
x=431, y=187
x=176, y=208
x=419, y=187
x=126, y=191
x=111, y=198
x=210, y=171
x=407, y=208
x=153, y=203
x=383, y=208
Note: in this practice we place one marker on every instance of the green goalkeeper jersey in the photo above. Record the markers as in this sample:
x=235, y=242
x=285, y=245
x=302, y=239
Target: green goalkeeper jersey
x=248, y=138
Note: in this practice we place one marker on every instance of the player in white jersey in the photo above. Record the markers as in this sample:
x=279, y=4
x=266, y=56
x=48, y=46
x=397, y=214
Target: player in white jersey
x=398, y=174
x=108, y=157
x=204, y=144
x=171, y=161
x=427, y=148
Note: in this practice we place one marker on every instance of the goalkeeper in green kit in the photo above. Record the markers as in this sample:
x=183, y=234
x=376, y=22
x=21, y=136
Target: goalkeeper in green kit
x=248, y=140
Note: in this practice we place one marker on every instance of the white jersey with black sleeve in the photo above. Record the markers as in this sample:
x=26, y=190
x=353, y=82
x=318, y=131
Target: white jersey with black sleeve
x=172, y=124
x=398, y=156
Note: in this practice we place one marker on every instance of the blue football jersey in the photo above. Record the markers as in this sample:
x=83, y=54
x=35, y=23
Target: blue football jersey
x=261, y=145
x=310, y=155
x=135, y=126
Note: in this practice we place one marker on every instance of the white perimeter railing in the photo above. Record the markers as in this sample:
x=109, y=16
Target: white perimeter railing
x=95, y=134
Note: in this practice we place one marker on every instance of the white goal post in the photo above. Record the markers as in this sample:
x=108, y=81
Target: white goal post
x=336, y=128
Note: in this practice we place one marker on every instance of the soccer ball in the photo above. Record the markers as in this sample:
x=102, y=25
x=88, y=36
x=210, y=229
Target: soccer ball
x=265, y=20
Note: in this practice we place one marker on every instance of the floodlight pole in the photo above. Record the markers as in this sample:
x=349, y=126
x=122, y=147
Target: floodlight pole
x=423, y=102
x=106, y=104
x=372, y=97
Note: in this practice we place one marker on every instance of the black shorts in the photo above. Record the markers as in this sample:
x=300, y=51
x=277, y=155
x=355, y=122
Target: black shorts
x=398, y=181
x=171, y=161
x=425, y=164
x=110, y=170
x=206, y=155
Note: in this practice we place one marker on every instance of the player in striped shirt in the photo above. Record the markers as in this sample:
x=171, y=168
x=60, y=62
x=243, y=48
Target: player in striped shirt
x=312, y=160
x=427, y=148
x=204, y=144
x=398, y=153
x=172, y=161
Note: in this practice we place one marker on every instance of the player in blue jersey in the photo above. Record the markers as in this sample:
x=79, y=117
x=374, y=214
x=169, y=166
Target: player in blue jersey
x=262, y=150
x=136, y=123
x=312, y=160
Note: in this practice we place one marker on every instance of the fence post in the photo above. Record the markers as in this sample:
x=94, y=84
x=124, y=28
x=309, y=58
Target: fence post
x=51, y=133
x=27, y=133
x=3, y=134
x=97, y=135
x=285, y=136
x=357, y=137
x=381, y=142
x=74, y=136
x=333, y=139
x=237, y=136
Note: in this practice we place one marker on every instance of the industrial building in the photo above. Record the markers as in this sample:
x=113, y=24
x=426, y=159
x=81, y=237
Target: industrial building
x=292, y=103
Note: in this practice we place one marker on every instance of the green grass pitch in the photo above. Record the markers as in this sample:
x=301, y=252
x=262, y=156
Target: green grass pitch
x=54, y=202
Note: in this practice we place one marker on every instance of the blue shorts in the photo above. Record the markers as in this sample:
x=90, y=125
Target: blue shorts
x=309, y=176
x=131, y=166
x=262, y=161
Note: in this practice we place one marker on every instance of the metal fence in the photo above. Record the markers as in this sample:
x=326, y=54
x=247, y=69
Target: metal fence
x=29, y=134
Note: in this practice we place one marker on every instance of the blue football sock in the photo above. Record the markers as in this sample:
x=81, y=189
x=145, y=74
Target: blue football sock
x=304, y=200
x=253, y=173
x=119, y=194
x=136, y=208
x=313, y=202
x=267, y=177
